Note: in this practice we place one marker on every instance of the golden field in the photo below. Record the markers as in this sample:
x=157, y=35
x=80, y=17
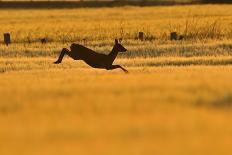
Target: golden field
x=152, y=110
x=93, y=24
x=175, y=100
x=207, y=30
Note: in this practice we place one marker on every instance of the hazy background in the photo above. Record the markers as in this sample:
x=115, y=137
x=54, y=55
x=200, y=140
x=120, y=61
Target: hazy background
x=217, y=1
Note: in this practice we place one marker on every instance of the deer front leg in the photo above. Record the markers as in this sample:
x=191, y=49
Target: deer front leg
x=62, y=53
x=117, y=66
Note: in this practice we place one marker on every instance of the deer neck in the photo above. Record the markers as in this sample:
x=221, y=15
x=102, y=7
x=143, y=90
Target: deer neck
x=113, y=54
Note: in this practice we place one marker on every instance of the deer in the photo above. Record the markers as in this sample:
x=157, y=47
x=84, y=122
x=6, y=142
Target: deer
x=92, y=58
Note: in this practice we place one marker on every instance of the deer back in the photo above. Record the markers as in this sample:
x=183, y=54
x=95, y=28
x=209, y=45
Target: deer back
x=84, y=52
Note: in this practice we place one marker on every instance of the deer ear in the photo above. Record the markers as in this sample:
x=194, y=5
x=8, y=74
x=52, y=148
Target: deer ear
x=120, y=40
x=116, y=41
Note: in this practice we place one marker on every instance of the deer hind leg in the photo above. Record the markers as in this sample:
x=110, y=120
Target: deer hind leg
x=117, y=66
x=62, y=54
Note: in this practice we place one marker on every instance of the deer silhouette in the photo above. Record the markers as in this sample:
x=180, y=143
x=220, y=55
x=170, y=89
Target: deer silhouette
x=92, y=58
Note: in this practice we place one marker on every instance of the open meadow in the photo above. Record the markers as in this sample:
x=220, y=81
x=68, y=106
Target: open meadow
x=176, y=99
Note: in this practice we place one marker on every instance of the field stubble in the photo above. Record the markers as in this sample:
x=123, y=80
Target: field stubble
x=206, y=30
x=66, y=111
x=176, y=99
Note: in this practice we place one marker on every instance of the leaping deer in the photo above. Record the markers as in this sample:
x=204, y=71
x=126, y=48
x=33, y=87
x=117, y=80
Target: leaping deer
x=92, y=58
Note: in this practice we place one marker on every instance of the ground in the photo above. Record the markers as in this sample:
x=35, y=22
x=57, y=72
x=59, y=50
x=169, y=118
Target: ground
x=161, y=110
x=175, y=100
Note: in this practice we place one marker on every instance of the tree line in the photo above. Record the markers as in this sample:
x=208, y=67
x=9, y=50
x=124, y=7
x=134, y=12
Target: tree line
x=216, y=1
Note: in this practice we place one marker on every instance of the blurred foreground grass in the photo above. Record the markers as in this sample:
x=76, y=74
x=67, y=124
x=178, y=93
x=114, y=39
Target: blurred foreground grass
x=162, y=110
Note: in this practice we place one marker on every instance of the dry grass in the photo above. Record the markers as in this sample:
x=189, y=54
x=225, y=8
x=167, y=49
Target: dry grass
x=176, y=99
x=170, y=110
x=30, y=64
x=65, y=25
x=206, y=30
x=135, y=49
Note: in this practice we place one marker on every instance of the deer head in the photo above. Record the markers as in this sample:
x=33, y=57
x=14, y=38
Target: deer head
x=118, y=47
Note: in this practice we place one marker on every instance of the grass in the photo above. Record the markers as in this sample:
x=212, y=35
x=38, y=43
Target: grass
x=66, y=111
x=68, y=25
x=30, y=64
x=175, y=100
x=206, y=30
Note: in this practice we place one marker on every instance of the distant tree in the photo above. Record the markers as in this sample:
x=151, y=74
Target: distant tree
x=143, y=2
x=216, y=1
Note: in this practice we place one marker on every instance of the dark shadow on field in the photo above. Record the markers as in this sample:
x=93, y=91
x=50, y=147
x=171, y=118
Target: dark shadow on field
x=95, y=4
x=13, y=65
x=216, y=1
x=219, y=102
x=80, y=4
x=190, y=63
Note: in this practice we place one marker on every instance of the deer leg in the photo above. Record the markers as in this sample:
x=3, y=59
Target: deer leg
x=117, y=66
x=62, y=54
